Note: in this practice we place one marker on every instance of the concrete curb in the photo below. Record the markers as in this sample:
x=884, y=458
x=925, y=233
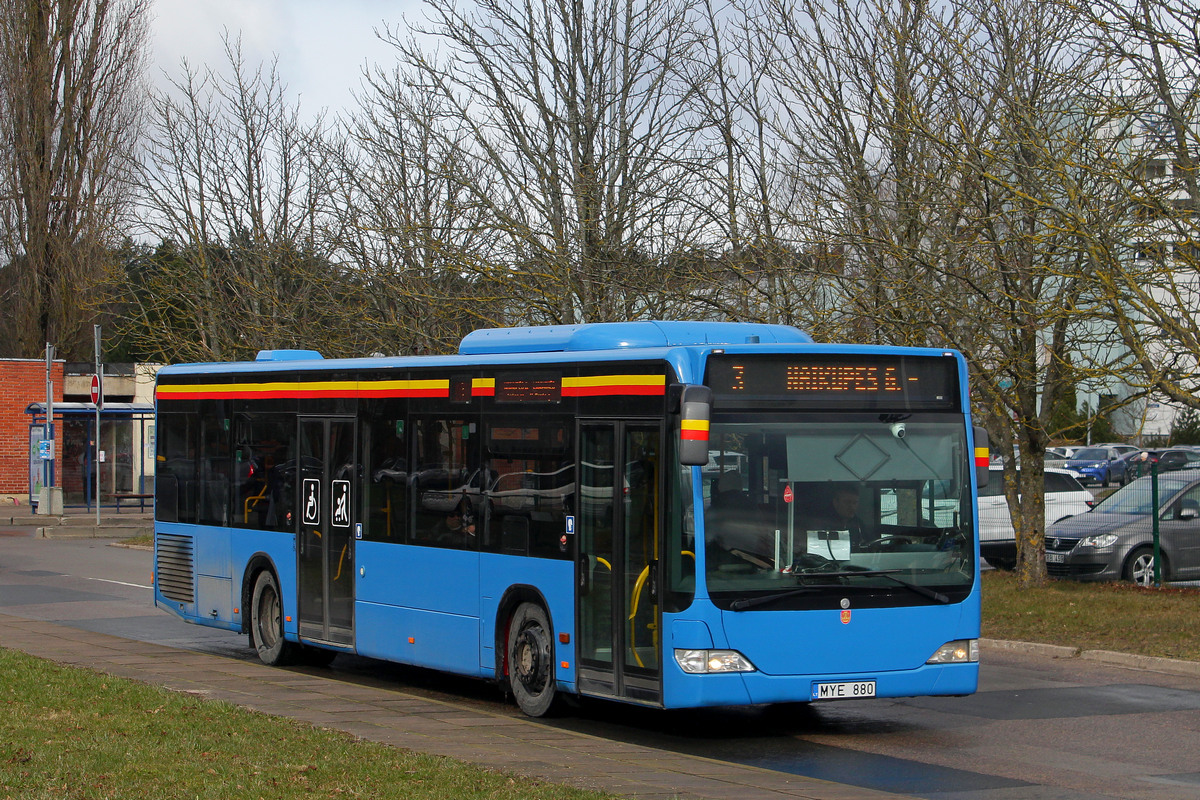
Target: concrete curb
x=94, y=532
x=1030, y=648
x=1168, y=666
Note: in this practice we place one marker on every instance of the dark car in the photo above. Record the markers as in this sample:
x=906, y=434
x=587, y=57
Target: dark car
x=1102, y=465
x=1167, y=459
x=1115, y=540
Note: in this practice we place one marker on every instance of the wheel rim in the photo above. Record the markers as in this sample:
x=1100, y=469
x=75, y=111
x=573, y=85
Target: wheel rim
x=268, y=618
x=532, y=661
x=1143, y=569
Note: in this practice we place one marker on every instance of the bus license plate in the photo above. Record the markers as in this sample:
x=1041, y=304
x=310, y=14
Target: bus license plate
x=1056, y=558
x=843, y=690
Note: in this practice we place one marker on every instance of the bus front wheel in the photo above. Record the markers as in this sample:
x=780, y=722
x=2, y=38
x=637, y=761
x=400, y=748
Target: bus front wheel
x=531, y=659
x=266, y=622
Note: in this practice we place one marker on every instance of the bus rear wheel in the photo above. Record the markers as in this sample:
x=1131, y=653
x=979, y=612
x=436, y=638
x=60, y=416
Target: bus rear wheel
x=266, y=622
x=531, y=659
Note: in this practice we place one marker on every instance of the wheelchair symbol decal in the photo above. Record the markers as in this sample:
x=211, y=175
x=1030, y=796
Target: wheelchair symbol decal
x=312, y=501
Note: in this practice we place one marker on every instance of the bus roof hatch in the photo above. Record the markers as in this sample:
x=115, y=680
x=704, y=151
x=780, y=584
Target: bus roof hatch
x=287, y=355
x=624, y=335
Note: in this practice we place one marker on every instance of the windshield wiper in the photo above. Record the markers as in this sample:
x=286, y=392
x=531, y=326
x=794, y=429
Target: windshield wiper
x=752, y=602
x=924, y=591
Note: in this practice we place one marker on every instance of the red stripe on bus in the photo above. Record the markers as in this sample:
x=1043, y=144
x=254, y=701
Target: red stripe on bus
x=274, y=394
x=600, y=391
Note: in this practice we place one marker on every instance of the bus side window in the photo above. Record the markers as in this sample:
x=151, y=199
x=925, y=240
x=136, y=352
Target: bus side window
x=264, y=471
x=531, y=487
x=175, y=471
x=213, y=471
x=385, y=456
x=445, y=484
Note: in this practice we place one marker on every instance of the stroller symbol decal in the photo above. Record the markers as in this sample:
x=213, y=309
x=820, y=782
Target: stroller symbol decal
x=341, y=504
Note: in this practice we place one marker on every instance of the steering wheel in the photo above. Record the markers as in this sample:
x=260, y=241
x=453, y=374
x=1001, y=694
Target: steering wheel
x=891, y=540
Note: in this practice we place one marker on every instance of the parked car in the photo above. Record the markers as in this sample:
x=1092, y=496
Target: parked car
x=1120, y=447
x=997, y=539
x=1167, y=459
x=1103, y=465
x=1056, y=457
x=1115, y=541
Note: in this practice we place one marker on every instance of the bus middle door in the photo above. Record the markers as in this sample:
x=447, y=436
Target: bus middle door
x=326, y=482
x=620, y=507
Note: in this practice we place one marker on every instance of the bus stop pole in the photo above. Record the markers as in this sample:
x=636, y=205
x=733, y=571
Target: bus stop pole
x=48, y=428
x=99, y=402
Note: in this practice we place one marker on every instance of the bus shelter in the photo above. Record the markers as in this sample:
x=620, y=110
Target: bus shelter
x=126, y=451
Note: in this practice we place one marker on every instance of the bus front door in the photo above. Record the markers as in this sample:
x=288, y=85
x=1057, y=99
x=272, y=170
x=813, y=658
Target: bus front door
x=620, y=503
x=326, y=483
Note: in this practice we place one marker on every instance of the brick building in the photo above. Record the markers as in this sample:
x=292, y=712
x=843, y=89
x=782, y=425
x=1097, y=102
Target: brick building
x=22, y=381
x=126, y=430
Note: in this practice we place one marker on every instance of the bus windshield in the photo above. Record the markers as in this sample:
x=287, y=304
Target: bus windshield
x=869, y=507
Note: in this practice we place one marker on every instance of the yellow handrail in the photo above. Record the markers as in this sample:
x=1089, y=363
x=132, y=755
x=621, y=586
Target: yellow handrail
x=253, y=501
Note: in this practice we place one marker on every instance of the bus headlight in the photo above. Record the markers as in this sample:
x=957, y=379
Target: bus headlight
x=699, y=662
x=961, y=651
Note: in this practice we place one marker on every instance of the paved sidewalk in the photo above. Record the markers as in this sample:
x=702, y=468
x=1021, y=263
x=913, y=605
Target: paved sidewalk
x=386, y=713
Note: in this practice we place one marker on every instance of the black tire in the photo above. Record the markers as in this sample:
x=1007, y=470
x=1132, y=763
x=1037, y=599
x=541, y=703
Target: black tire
x=266, y=622
x=1139, y=566
x=531, y=660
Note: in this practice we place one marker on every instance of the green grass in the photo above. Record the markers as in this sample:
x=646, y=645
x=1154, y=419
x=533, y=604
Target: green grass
x=72, y=734
x=1093, y=616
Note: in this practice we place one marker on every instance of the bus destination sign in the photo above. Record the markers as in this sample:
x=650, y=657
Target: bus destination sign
x=819, y=381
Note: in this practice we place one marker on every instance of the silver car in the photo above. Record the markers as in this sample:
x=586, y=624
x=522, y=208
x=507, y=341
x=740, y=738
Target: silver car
x=1115, y=541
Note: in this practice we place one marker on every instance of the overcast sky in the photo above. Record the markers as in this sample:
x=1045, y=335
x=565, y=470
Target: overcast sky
x=322, y=45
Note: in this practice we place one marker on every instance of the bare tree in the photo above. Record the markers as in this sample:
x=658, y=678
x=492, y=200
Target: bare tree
x=753, y=266
x=943, y=150
x=576, y=111
x=411, y=223
x=70, y=87
x=1147, y=262
x=239, y=189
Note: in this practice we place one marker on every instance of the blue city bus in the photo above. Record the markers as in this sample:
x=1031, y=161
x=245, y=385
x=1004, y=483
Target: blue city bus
x=640, y=511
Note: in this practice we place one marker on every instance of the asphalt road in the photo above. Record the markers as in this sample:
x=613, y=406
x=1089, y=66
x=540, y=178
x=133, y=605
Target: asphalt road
x=1038, y=728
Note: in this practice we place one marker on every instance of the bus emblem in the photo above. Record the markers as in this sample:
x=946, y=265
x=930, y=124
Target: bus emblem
x=845, y=616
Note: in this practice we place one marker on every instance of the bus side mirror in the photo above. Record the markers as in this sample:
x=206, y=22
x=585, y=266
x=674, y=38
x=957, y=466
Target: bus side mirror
x=982, y=457
x=695, y=405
